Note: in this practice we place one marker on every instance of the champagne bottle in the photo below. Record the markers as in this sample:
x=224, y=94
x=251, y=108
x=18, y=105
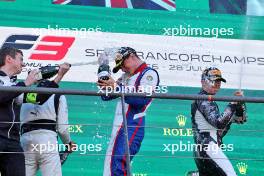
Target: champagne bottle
x=47, y=72
x=104, y=69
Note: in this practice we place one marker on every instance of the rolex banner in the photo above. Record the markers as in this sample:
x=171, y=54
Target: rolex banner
x=179, y=60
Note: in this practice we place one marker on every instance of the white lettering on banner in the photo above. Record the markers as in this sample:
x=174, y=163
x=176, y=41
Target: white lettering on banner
x=179, y=60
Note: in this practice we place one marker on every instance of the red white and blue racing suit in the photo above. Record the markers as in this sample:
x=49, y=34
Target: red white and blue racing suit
x=135, y=110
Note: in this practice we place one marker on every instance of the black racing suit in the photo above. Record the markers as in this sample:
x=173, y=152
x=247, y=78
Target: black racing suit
x=11, y=164
x=209, y=128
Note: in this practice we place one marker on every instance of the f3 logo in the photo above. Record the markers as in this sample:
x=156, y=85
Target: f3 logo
x=52, y=47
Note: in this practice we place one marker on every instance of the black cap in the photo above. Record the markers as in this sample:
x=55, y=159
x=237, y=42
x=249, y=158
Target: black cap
x=121, y=55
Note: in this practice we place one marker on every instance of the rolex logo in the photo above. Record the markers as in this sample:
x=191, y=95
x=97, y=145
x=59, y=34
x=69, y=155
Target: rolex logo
x=181, y=119
x=242, y=167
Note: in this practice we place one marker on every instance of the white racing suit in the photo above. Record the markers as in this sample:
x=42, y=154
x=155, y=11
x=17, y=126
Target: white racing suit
x=209, y=128
x=39, y=140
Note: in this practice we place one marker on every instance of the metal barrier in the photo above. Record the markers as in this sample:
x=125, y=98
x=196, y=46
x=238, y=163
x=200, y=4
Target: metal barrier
x=154, y=95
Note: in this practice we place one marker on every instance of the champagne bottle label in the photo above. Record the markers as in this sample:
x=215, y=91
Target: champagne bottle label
x=104, y=72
